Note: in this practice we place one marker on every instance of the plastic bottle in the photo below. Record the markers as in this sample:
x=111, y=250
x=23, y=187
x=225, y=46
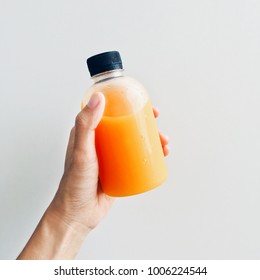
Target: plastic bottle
x=129, y=151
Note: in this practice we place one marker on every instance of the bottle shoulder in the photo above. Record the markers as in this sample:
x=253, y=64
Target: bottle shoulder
x=123, y=95
x=122, y=81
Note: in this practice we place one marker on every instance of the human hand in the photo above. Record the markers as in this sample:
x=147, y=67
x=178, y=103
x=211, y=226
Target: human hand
x=79, y=203
x=80, y=199
x=164, y=138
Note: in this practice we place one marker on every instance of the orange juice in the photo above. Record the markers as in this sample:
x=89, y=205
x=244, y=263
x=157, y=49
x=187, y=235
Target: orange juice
x=128, y=146
x=130, y=154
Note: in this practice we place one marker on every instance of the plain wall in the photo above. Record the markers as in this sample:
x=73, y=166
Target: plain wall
x=199, y=61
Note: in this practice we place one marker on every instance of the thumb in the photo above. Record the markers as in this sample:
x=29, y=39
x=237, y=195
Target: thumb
x=86, y=122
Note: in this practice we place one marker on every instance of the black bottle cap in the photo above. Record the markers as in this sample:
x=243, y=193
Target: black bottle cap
x=104, y=62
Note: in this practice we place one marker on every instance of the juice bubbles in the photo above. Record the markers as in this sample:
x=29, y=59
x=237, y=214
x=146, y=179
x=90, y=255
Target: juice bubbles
x=129, y=151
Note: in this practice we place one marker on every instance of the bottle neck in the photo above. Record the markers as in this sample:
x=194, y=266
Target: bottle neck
x=107, y=75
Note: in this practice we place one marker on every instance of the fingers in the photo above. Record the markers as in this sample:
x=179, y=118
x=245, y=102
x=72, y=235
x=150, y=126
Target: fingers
x=164, y=139
x=82, y=136
x=164, y=142
x=155, y=112
x=166, y=151
x=86, y=122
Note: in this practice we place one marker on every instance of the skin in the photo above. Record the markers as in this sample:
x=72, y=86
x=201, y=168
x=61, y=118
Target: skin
x=79, y=203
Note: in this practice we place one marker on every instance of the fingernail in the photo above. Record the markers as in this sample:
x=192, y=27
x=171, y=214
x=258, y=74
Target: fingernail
x=93, y=101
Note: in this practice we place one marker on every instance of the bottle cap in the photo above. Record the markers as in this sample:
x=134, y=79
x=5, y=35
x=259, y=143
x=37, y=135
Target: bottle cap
x=104, y=62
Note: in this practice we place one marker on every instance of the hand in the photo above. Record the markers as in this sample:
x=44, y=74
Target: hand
x=80, y=198
x=164, y=139
x=79, y=203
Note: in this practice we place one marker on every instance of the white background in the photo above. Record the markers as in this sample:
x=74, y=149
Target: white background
x=199, y=60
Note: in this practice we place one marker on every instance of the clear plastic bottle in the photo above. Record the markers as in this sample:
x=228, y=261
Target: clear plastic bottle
x=129, y=151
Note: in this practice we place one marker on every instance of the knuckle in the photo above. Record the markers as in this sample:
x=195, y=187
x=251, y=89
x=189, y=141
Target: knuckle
x=79, y=160
x=80, y=121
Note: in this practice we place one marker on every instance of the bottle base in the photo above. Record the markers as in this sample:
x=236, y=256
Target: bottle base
x=135, y=192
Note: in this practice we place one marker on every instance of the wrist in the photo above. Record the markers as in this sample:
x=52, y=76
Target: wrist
x=67, y=235
x=54, y=238
x=68, y=215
